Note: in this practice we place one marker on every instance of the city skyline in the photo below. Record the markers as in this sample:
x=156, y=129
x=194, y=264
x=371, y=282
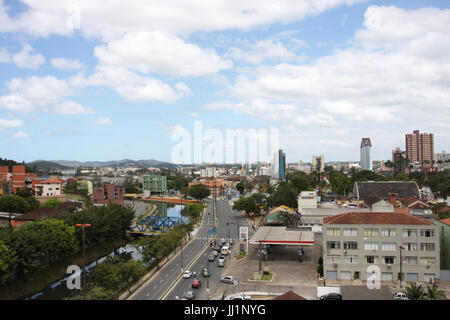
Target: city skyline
x=76, y=84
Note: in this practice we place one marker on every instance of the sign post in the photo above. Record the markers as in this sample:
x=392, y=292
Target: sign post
x=243, y=235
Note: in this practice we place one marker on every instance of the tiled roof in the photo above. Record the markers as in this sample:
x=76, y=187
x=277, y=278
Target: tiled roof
x=290, y=295
x=376, y=218
x=446, y=221
x=410, y=200
x=382, y=189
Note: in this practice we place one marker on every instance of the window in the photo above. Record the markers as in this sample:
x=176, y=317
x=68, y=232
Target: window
x=427, y=233
x=427, y=247
x=333, y=258
x=371, y=259
x=409, y=233
x=333, y=245
x=349, y=232
x=371, y=232
x=410, y=260
x=371, y=246
x=350, y=259
x=428, y=261
x=388, y=232
x=389, y=260
x=350, y=245
x=388, y=246
x=333, y=232
x=410, y=246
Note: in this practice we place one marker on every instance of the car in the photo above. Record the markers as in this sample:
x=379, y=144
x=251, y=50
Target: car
x=227, y=279
x=211, y=257
x=215, y=253
x=225, y=250
x=400, y=296
x=217, y=248
x=230, y=242
x=205, y=273
x=240, y=296
x=221, y=261
x=196, y=284
x=187, y=274
x=331, y=296
x=190, y=295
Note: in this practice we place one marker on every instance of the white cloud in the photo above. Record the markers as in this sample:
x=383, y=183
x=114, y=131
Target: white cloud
x=66, y=64
x=102, y=121
x=10, y=123
x=134, y=87
x=19, y=135
x=26, y=58
x=157, y=52
x=43, y=18
x=262, y=50
x=48, y=94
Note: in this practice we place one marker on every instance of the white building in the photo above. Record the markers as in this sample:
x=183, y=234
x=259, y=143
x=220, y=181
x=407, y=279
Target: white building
x=209, y=172
x=307, y=199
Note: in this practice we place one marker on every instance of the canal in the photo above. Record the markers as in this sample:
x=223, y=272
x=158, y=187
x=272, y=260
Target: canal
x=59, y=289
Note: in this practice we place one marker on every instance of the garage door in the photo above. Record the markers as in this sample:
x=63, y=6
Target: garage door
x=387, y=276
x=345, y=275
x=412, y=277
x=331, y=274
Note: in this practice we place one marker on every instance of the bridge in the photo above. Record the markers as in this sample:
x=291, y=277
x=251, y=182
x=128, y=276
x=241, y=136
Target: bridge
x=156, y=225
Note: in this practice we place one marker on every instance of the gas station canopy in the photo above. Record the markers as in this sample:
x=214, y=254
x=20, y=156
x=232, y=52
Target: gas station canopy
x=280, y=235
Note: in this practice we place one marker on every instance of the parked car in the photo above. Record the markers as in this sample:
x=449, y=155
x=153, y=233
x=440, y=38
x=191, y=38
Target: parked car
x=240, y=296
x=221, y=262
x=211, y=257
x=189, y=295
x=227, y=279
x=205, y=272
x=331, y=296
x=187, y=274
x=196, y=284
x=400, y=296
x=215, y=253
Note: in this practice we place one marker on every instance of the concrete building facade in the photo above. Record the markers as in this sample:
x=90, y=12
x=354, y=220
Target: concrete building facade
x=108, y=193
x=154, y=183
x=420, y=148
x=357, y=244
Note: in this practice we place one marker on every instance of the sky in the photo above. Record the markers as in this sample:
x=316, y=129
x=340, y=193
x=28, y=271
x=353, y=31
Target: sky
x=109, y=80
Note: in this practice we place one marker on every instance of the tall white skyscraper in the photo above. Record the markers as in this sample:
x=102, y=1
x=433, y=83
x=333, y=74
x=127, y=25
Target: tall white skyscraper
x=366, y=154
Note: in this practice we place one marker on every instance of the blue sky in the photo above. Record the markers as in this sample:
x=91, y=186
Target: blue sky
x=92, y=80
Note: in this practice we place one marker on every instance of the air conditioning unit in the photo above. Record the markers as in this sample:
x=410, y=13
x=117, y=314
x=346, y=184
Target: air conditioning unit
x=428, y=267
x=334, y=265
x=389, y=266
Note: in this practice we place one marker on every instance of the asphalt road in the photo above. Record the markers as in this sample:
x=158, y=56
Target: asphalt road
x=155, y=289
x=225, y=215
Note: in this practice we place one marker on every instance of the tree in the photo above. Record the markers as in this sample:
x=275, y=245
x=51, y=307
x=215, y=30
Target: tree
x=8, y=262
x=129, y=185
x=12, y=204
x=414, y=291
x=247, y=204
x=199, y=191
x=433, y=293
x=240, y=186
x=285, y=195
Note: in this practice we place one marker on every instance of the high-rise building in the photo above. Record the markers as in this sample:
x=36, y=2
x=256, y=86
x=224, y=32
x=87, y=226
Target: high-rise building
x=366, y=154
x=154, y=183
x=399, y=160
x=318, y=163
x=279, y=166
x=420, y=148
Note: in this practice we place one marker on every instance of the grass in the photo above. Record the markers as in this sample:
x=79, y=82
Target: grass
x=266, y=276
x=75, y=197
x=17, y=289
x=241, y=255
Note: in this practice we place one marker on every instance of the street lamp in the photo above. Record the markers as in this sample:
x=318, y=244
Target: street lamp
x=84, y=262
x=401, y=263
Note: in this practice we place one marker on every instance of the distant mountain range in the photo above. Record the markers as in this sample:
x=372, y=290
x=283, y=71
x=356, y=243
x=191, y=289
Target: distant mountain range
x=67, y=164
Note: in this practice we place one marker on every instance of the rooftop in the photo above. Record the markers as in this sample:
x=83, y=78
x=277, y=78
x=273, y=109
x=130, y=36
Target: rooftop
x=381, y=218
x=382, y=189
x=290, y=295
x=445, y=221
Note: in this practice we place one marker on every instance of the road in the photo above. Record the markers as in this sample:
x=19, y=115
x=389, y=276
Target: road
x=225, y=215
x=158, y=285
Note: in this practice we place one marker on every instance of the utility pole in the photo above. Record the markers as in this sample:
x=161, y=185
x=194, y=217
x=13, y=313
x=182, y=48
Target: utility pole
x=84, y=259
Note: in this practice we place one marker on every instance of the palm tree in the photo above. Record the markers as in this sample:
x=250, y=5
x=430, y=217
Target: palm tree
x=433, y=293
x=414, y=291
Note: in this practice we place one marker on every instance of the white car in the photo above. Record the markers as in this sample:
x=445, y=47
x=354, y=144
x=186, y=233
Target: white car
x=187, y=274
x=227, y=279
x=240, y=296
x=400, y=296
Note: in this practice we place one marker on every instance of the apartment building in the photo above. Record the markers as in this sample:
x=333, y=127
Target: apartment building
x=47, y=188
x=356, y=243
x=108, y=193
